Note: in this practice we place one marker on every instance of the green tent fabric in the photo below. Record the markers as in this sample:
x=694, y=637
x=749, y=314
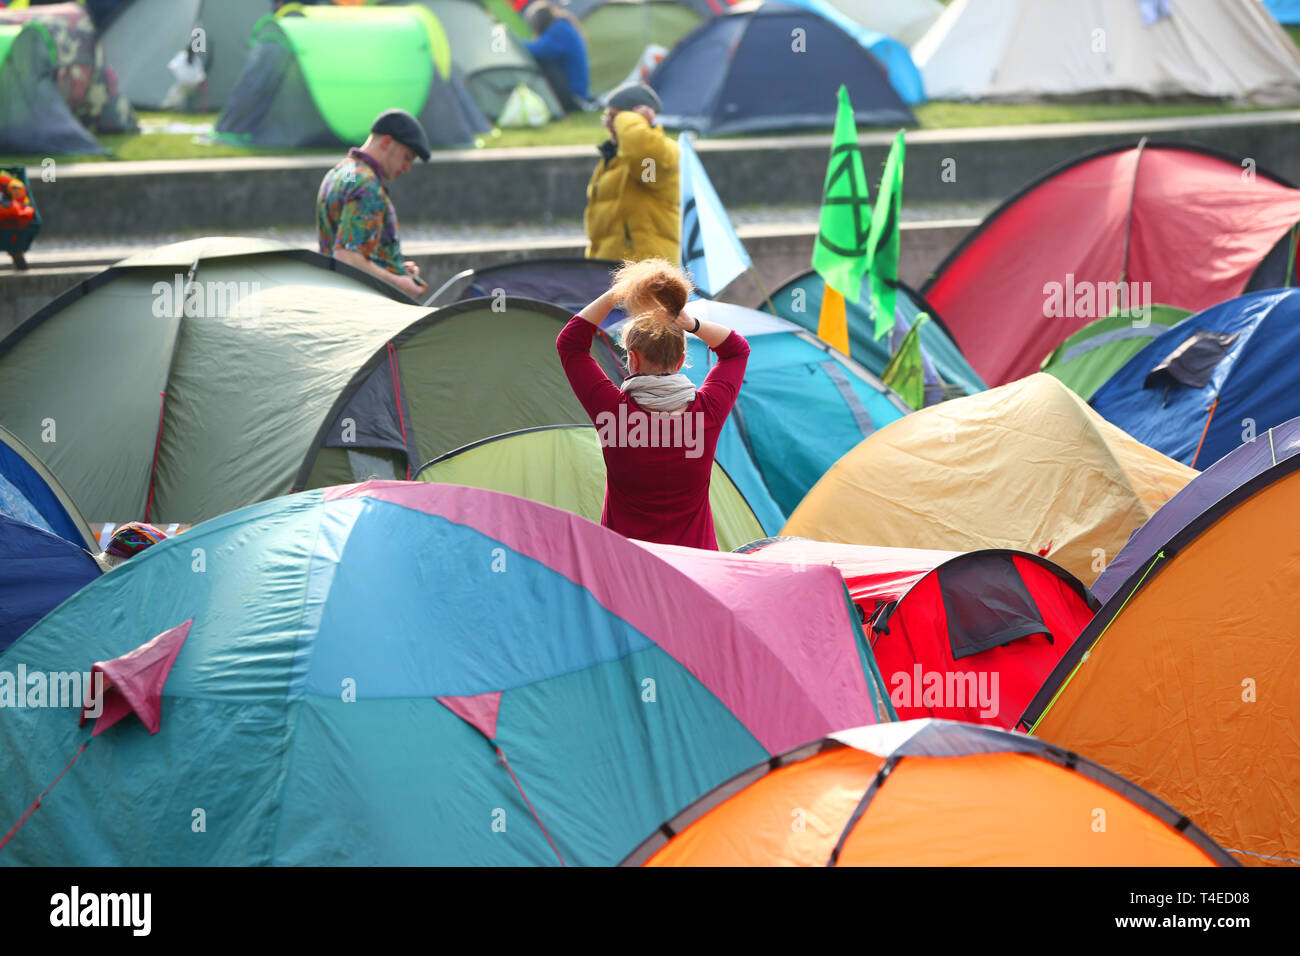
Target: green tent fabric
x=618, y=31
x=562, y=466
x=1097, y=351
x=490, y=59
x=318, y=76
x=34, y=118
x=83, y=378
x=800, y=301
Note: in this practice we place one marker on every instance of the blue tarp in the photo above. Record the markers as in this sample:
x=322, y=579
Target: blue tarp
x=1284, y=11
x=1253, y=387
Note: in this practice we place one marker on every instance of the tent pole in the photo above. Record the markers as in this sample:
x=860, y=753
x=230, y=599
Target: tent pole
x=762, y=288
x=1128, y=218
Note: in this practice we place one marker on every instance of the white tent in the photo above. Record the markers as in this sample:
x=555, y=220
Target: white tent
x=1030, y=49
x=904, y=20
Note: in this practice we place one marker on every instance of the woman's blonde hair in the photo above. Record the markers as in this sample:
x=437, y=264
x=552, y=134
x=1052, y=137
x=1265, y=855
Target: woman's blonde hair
x=653, y=292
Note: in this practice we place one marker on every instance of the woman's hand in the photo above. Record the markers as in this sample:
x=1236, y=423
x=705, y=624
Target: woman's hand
x=684, y=322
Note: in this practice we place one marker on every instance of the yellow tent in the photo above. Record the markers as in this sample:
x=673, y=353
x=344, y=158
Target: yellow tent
x=1027, y=466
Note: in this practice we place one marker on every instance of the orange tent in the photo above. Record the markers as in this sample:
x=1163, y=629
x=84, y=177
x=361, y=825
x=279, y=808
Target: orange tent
x=1188, y=679
x=929, y=793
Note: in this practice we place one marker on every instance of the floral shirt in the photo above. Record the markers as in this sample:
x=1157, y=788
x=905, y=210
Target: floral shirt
x=353, y=212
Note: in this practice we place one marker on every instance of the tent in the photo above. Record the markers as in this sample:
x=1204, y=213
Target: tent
x=401, y=673
x=802, y=405
x=1186, y=680
x=84, y=77
x=34, y=119
x=1027, y=466
x=1284, y=11
x=38, y=571
x=960, y=636
x=1027, y=49
x=1241, y=465
x=618, y=31
x=929, y=793
x=904, y=20
x=742, y=73
x=30, y=494
x=569, y=282
x=947, y=373
x=561, y=466
x=146, y=34
x=581, y=8
x=1184, y=226
x=298, y=386
x=318, y=76
x=1212, y=380
x=1097, y=351
x=490, y=59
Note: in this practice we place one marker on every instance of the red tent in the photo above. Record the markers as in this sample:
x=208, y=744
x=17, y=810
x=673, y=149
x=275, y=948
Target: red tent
x=966, y=637
x=1194, y=223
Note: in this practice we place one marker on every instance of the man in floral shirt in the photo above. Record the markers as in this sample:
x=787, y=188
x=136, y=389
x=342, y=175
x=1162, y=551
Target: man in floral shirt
x=354, y=216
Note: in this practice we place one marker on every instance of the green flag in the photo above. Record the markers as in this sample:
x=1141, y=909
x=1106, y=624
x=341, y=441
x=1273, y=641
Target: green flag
x=883, y=242
x=905, y=373
x=840, y=253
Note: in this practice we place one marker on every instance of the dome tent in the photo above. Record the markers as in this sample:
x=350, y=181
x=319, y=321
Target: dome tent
x=34, y=119
x=1097, y=351
x=1183, y=226
x=947, y=373
x=966, y=637
x=571, y=282
x=727, y=76
x=561, y=466
x=30, y=494
x=929, y=793
x=1027, y=466
x=1185, y=681
x=1211, y=380
x=357, y=678
x=618, y=31
x=38, y=572
x=318, y=76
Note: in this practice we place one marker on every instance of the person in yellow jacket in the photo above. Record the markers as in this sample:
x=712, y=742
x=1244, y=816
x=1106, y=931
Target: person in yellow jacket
x=632, y=200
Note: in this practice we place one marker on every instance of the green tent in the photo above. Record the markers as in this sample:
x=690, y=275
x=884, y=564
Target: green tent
x=158, y=396
x=488, y=56
x=34, y=119
x=562, y=466
x=1097, y=351
x=318, y=76
x=618, y=31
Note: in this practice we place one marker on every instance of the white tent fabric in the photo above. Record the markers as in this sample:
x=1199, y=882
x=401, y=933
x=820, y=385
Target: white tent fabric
x=904, y=20
x=1030, y=49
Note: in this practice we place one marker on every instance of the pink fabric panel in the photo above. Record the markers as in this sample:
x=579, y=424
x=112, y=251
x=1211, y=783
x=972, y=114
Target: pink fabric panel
x=480, y=711
x=134, y=682
x=776, y=648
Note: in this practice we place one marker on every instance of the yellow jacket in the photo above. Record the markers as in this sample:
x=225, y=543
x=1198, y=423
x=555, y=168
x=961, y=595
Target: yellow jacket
x=632, y=199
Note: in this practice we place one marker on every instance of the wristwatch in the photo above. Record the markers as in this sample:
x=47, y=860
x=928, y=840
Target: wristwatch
x=697, y=327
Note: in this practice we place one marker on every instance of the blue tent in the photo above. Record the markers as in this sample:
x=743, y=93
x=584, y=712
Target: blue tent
x=29, y=493
x=38, y=572
x=893, y=56
x=402, y=673
x=1213, y=380
x=772, y=67
x=1284, y=11
x=801, y=407
x=947, y=373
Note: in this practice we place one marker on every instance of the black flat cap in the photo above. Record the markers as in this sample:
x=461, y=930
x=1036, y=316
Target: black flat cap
x=404, y=128
x=631, y=95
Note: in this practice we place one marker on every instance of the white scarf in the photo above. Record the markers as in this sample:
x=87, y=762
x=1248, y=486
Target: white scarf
x=660, y=393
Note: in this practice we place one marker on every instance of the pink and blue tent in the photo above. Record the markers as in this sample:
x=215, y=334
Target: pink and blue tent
x=416, y=674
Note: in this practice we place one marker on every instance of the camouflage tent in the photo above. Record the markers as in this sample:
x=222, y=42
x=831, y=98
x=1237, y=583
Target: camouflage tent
x=87, y=83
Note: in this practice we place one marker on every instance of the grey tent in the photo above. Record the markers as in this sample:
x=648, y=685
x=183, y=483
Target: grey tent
x=34, y=119
x=146, y=34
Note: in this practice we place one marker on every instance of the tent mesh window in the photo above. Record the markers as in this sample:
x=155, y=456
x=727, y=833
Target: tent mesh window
x=987, y=604
x=1193, y=362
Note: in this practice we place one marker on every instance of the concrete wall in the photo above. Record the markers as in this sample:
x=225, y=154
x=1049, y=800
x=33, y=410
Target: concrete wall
x=531, y=185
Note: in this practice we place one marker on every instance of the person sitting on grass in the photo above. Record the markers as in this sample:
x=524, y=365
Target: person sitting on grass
x=355, y=220
x=658, y=431
x=561, y=52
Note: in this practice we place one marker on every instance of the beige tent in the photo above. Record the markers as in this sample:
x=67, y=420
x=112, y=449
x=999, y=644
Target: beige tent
x=1027, y=466
x=904, y=20
x=1027, y=49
